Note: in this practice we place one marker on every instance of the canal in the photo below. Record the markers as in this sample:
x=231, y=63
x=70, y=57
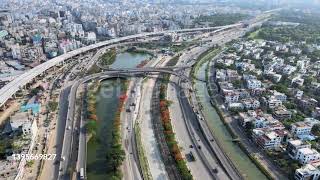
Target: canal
x=246, y=167
x=106, y=107
x=129, y=60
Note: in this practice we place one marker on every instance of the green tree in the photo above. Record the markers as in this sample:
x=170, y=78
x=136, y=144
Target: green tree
x=115, y=156
x=316, y=130
x=280, y=88
x=91, y=127
x=290, y=105
x=237, y=83
x=248, y=128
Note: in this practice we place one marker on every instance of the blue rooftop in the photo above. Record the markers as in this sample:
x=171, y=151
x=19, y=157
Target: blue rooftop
x=35, y=108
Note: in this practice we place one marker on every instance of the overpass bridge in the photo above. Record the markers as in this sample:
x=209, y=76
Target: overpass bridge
x=11, y=88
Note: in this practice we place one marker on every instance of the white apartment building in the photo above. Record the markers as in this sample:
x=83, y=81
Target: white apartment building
x=91, y=36
x=306, y=155
x=8, y=170
x=231, y=96
x=308, y=172
x=267, y=139
x=16, y=51
x=300, y=129
x=273, y=103
x=253, y=83
x=18, y=119
x=293, y=147
x=279, y=96
x=298, y=81
x=288, y=70
x=299, y=94
x=30, y=128
x=75, y=29
x=251, y=103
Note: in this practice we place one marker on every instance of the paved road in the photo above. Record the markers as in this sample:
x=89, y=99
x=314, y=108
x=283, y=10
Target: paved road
x=157, y=167
x=186, y=128
x=198, y=168
x=131, y=170
x=61, y=124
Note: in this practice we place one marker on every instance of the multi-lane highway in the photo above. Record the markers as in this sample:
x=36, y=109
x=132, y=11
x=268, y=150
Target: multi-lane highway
x=131, y=163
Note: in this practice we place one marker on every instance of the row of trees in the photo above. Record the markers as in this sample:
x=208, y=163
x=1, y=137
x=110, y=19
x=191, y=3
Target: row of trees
x=170, y=136
x=308, y=30
x=109, y=57
x=91, y=125
x=115, y=154
x=220, y=19
x=307, y=33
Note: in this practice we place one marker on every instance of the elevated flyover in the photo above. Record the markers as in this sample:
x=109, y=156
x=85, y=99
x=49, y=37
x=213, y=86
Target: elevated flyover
x=11, y=88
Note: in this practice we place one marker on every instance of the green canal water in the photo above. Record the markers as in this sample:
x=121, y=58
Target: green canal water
x=129, y=60
x=246, y=167
x=107, y=104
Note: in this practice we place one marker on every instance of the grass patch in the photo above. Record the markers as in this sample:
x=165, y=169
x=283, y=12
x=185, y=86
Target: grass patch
x=53, y=106
x=141, y=154
x=254, y=34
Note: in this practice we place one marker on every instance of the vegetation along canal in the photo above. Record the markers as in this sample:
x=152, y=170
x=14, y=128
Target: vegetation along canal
x=106, y=106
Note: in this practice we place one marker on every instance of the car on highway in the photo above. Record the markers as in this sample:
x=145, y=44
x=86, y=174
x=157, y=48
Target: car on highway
x=191, y=156
x=215, y=170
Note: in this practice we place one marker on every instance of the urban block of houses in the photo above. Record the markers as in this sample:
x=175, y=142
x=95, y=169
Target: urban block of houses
x=308, y=172
x=306, y=103
x=301, y=130
x=260, y=120
x=250, y=103
x=273, y=102
x=18, y=119
x=8, y=169
x=226, y=75
x=298, y=81
x=253, y=83
x=281, y=113
x=269, y=139
x=293, y=147
x=306, y=155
